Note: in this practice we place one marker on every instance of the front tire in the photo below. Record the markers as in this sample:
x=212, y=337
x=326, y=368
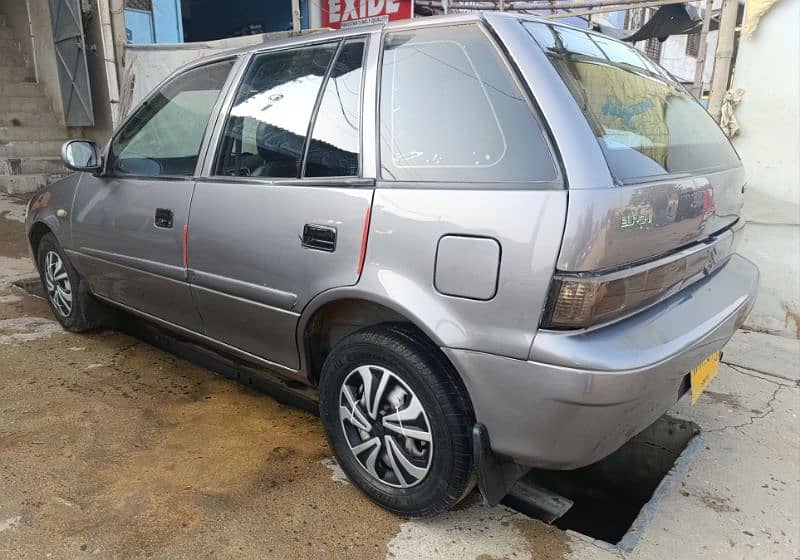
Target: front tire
x=397, y=420
x=66, y=292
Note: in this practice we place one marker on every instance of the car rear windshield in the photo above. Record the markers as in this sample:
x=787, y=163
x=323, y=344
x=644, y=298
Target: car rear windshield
x=647, y=123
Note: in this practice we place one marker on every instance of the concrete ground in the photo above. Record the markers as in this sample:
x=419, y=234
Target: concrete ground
x=110, y=448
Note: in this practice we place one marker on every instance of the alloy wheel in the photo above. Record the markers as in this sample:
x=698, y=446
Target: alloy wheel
x=59, y=289
x=385, y=426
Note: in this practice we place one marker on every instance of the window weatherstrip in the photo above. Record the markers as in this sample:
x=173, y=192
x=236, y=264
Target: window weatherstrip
x=231, y=83
x=317, y=103
x=221, y=118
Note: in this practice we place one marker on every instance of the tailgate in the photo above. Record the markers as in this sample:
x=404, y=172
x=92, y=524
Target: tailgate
x=610, y=228
x=676, y=177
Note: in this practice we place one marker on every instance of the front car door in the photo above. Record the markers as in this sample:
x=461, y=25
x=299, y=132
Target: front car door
x=279, y=214
x=128, y=224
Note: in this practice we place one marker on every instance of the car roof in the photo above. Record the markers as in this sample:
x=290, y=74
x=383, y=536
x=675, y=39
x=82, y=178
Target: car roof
x=317, y=36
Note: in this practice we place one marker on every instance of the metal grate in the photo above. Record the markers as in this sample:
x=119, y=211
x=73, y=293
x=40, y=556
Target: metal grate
x=144, y=5
x=653, y=49
x=15, y=166
x=693, y=44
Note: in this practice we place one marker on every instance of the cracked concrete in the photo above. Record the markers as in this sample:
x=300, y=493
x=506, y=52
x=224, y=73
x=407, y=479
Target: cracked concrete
x=110, y=448
x=758, y=416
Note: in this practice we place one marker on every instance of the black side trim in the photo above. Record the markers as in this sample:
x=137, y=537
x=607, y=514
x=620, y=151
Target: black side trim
x=244, y=290
x=159, y=269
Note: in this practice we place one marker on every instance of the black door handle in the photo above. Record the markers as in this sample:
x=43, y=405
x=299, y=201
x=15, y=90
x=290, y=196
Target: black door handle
x=321, y=238
x=164, y=217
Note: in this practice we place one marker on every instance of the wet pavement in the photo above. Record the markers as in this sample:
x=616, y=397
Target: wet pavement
x=112, y=448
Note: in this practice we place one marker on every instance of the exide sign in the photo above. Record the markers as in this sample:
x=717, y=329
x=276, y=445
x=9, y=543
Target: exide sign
x=348, y=13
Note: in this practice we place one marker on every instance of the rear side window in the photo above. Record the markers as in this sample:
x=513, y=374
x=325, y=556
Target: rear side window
x=451, y=111
x=647, y=124
x=335, y=140
x=265, y=133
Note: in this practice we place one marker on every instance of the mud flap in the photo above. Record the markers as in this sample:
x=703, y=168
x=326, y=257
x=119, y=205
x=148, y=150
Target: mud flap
x=505, y=481
x=495, y=477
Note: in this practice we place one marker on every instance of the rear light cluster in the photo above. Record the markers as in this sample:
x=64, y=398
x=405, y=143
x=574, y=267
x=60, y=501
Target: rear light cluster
x=582, y=300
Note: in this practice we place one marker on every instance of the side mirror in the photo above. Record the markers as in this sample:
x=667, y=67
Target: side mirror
x=81, y=155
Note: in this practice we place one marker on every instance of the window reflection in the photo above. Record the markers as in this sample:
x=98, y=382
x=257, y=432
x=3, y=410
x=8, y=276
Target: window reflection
x=450, y=111
x=266, y=130
x=163, y=136
x=334, y=147
x=646, y=122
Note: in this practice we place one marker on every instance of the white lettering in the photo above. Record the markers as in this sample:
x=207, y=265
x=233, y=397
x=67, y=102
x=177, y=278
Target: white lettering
x=392, y=6
x=334, y=15
x=350, y=10
x=375, y=7
x=362, y=8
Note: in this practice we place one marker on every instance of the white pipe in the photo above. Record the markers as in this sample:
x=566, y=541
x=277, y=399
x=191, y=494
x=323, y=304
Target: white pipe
x=726, y=39
x=34, y=61
x=700, y=61
x=109, y=60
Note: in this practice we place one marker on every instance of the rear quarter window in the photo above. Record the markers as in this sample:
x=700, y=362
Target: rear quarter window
x=647, y=123
x=451, y=111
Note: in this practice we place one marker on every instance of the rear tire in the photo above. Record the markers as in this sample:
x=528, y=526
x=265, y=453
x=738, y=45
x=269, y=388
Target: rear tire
x=66, y=292
x=398, y=420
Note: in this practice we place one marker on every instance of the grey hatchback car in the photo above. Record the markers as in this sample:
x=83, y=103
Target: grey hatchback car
x=490, y=241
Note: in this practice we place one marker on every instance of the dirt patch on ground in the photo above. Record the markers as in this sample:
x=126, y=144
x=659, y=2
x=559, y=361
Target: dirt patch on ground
x=12, y=237
x=731, y=401
x=794, y=316
x=717, y=503
x=16, y=303
x=112, y=448
x=545, y=542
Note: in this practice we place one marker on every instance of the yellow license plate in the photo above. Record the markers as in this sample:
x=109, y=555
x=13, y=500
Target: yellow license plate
x=703, y=374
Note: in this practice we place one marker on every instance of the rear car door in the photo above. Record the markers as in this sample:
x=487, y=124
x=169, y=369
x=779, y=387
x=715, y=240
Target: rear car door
x=279, y=215
x=128, y=223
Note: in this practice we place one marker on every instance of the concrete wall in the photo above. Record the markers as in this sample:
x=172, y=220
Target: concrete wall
x=148, y=65
x=100, y=61
x=682, y=65
x=768, y=69
x=37, y=44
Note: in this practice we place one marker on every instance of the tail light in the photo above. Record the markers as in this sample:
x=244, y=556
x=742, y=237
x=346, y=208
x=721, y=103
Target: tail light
x=582, y=300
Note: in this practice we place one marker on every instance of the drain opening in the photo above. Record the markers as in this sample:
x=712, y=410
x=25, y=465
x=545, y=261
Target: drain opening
x=608, y=496
x=31, y=285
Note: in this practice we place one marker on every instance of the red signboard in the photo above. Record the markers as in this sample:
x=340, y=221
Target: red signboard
x=340, y=14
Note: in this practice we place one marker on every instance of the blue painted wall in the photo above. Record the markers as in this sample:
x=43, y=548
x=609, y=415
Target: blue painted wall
x=138, y=27
x=163, y=25
x=167, y=21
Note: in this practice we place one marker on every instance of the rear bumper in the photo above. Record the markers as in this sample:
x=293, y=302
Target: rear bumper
x=584, y=394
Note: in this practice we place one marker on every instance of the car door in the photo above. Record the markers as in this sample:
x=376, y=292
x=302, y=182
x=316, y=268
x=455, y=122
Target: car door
x=128, y=223
x=280, y=216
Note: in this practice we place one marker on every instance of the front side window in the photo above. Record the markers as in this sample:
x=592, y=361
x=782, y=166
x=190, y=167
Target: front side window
x=451, y=111
x=647, y=124
x=265, y=133
x=164, y=135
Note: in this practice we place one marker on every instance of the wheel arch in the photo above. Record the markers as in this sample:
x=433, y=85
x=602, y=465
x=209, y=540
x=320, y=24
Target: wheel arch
x=37, y=231
x=335, y=314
